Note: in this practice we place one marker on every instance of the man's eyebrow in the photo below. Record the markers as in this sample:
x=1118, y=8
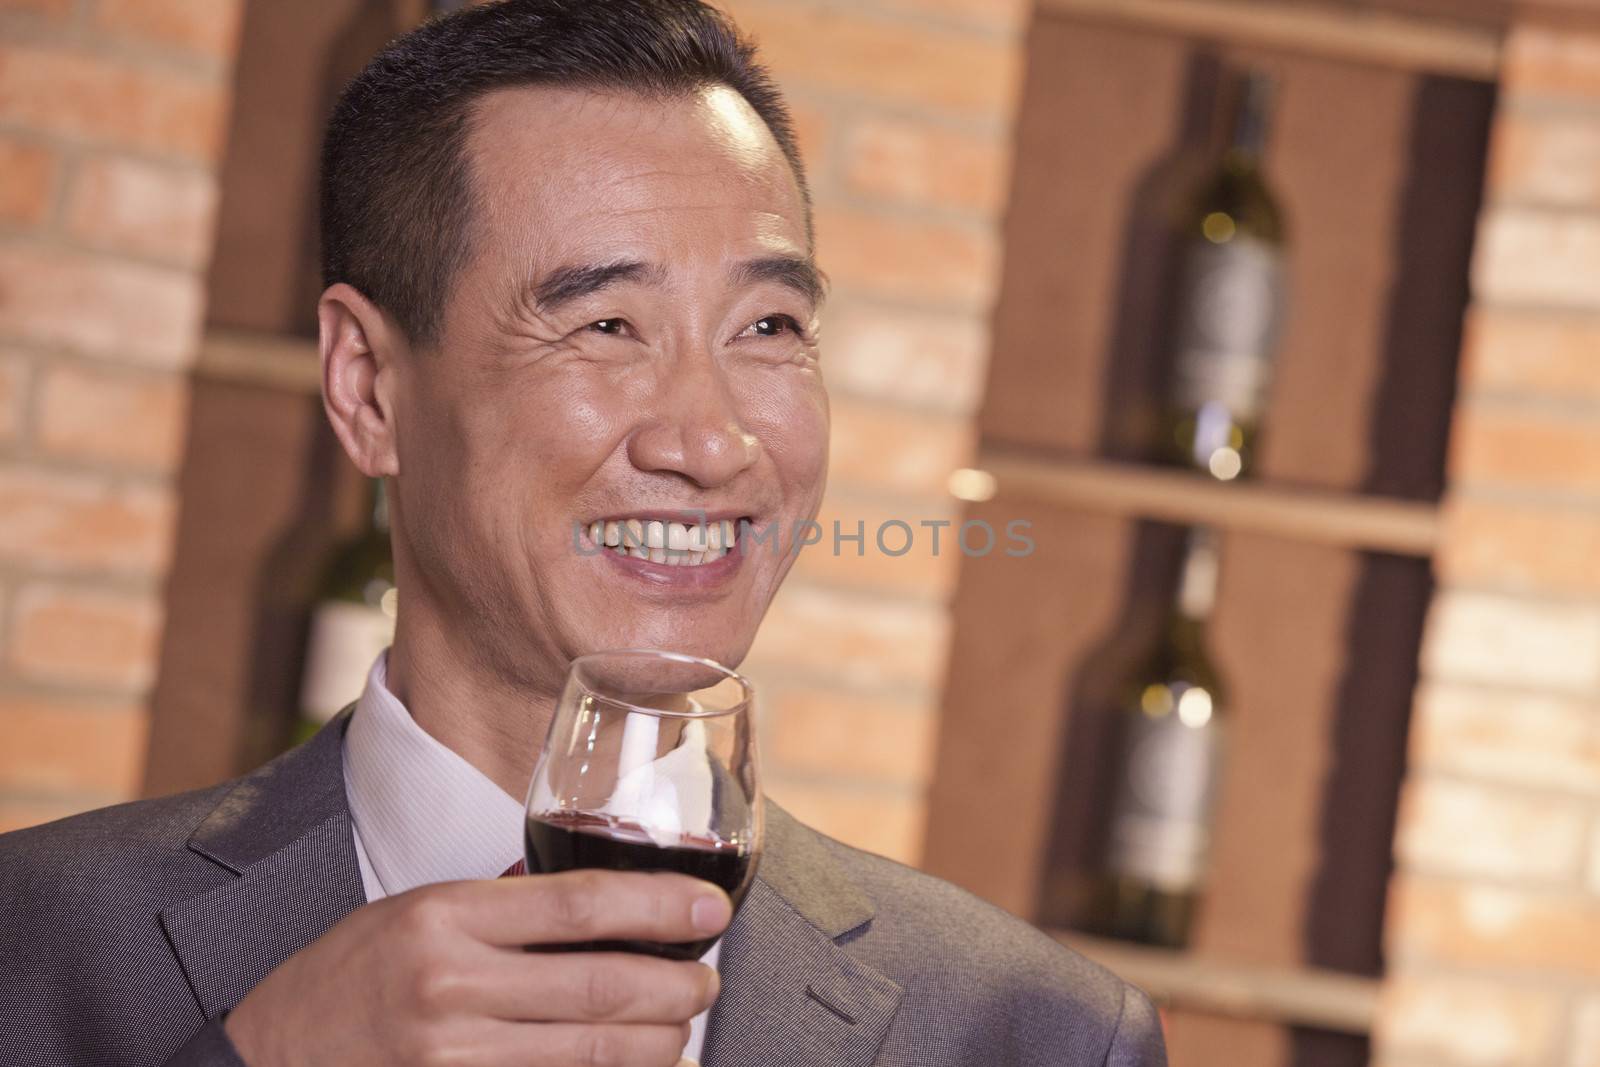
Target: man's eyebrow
x=796, y=272
x=566, y=284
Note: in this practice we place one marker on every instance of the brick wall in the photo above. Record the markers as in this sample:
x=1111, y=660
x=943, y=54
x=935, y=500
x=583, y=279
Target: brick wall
x=112, y=117
x=905, y=110
x=1494, y=924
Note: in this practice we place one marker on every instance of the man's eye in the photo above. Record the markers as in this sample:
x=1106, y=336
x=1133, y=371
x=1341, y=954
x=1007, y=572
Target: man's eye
x=613, y=327
x=773, y=326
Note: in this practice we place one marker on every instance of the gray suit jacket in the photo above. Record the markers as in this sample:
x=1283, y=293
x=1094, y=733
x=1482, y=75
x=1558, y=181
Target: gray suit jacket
x=129, y=932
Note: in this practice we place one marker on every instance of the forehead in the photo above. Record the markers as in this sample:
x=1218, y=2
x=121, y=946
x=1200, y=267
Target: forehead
x=555, y=168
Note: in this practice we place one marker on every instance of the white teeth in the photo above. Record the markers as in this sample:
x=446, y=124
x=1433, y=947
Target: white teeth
x=674, y=544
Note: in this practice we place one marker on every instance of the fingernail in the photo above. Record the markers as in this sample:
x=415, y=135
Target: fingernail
x=710, y=913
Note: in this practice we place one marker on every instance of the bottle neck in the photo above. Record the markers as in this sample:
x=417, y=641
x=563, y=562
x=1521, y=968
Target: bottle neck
x=380, y=507
x=1197, y=578
x=1249, y=126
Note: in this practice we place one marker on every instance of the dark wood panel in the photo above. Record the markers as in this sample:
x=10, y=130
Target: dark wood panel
x=266, y=491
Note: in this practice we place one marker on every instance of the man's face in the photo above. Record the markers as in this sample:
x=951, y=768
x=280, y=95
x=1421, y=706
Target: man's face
x=633, y=340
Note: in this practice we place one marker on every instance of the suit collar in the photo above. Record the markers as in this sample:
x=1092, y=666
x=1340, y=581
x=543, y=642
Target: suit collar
x=791, y=992
x=273, y=806
x=285, y=831
x=798, y=865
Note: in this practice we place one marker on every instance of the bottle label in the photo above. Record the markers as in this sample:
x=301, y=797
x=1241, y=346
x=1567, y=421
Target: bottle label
x=1229, y=309
x=346, y=639
x=1161, y=818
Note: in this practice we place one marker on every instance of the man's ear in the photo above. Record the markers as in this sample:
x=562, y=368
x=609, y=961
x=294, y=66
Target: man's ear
x=360, y=349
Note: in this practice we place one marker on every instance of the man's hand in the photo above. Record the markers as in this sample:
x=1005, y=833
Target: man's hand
x=438, y=975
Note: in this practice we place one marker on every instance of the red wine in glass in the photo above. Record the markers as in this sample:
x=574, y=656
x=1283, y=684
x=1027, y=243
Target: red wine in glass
x=649, y=765
x=564, y=841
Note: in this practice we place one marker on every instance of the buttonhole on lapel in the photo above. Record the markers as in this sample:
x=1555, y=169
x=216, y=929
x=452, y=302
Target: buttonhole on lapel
x=811, y=991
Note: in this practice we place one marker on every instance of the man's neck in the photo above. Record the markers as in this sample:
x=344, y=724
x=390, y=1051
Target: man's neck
x=493, y=724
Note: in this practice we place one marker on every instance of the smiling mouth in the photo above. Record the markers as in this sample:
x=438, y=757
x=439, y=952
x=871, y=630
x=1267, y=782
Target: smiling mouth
x=675, y=544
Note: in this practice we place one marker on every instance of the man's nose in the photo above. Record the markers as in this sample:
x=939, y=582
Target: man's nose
x=696, y=431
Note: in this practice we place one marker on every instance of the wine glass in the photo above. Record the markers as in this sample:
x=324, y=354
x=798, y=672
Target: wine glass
x=649, y=765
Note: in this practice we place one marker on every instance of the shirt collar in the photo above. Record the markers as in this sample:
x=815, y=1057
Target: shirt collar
x=423, y=813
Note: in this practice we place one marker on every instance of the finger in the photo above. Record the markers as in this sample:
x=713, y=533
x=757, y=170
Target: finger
x=598, y=987
x=591, y=905
x=563, y=1044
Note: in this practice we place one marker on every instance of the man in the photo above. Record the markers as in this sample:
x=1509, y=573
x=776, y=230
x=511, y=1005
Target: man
x=569, y=280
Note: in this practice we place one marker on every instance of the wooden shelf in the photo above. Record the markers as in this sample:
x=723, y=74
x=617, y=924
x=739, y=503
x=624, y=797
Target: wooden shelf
x=1389, y=39
x=1326, y=1000
x=1371, y=523
x=264, y=360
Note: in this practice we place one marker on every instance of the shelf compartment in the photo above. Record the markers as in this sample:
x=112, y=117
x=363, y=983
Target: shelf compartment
x=1372, y=523
x=1408, y=42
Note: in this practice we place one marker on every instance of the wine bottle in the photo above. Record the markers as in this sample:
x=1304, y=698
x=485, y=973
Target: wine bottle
x=1229, y=299
x=1166, y=764
x=352, y=622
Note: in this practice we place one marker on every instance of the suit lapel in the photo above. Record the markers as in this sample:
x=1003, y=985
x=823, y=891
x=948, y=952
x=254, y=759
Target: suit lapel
x=791, y=993
x=284, y=833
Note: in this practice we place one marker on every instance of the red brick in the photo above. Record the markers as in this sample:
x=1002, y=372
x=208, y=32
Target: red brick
x=103, y=414
x=1586, y=1033
x=55, y=89
x=1545, y=645
x=814, y=46
x=207, y=27
x=99, y=306
x=1003, y=15
x=1551, y=159
x=14, y=374
x=62, y=522
x=1532, y=352
x=832, y=734
x=888, y=823
x=84, y=636
x=853, y=639
x=28, y=191
x=1511, y=931
x=53, y=10
x=1507, y=736
x=127, y=205
x=1475, y=830
x=1526, y=447
x=912, y=359
x=1541, y=258
x=814, y=131
x=943, y=264
x=1551, y=61
x=906, y=452
x=1469, y=1021
x=917, y=163
x=917, y=570
x=55, y=746
x=1520, y=547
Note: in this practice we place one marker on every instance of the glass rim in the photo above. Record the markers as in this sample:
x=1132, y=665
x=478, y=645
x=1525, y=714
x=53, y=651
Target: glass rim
x=744, y=684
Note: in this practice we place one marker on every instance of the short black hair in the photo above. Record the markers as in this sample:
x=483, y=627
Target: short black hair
x=396, y=190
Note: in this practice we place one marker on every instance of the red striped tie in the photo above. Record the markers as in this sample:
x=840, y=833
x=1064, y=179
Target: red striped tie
x=516, y=870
